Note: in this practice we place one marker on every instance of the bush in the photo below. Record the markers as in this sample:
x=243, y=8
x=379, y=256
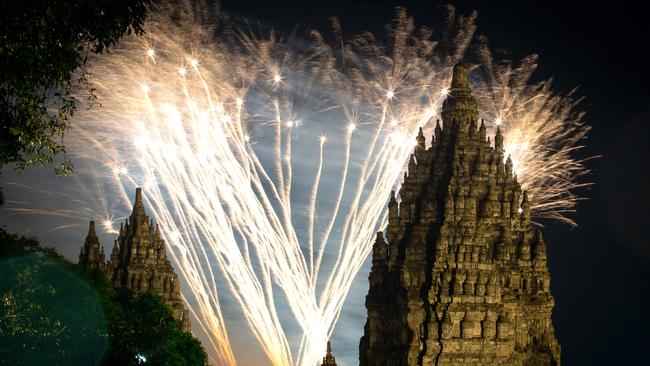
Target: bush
x=56, y=312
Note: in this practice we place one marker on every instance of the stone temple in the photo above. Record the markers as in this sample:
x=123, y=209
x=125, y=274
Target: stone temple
x=138, y=261
x=459, y=277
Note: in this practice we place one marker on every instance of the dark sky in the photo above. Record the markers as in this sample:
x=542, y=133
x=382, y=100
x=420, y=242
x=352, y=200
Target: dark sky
x=600, y=270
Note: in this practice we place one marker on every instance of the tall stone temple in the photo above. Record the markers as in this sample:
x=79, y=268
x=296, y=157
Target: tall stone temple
x=460, y=276
x=138, y=260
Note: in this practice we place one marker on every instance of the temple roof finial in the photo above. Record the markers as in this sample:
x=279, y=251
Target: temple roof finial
x=421, y=141
x=459, y=77
x=329, y=359
x=91, y=229
x=459, y=108
x=138, y=215
x=138, y=195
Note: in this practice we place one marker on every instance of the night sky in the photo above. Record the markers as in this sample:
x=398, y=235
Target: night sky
x=601, y=269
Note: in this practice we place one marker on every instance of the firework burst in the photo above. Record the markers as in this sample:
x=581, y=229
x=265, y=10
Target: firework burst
x=251, y=152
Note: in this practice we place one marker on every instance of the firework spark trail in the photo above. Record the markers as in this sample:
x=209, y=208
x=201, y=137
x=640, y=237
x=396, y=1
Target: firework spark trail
x=542, y=131
x=209, y=130
x=194, y=274
x=330, y=224
x=251, y=291
x=181, y=214
x=312, y=206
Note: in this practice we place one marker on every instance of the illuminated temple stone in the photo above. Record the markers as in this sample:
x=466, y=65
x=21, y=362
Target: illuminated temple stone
x=329, y=359
x=138, y=261
x=459, y=277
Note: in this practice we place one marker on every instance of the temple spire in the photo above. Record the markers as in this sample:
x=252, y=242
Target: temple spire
x=138, y=215
x=420, y=140
x=498, y=141
x=92, y=255
x=459, y=78
x=138, y=195
x=379, y=250
x=329, y=360
x=91, y=229
x=460, y=107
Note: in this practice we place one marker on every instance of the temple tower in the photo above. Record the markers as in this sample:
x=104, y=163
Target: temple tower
x=329, y=359
x=139, y=260
x=92, y=253
x=460, y=275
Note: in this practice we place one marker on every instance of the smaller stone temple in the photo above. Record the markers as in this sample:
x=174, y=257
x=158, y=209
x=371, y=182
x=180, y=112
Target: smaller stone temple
x=92, y=253
x=138, y=260
x=329, y=359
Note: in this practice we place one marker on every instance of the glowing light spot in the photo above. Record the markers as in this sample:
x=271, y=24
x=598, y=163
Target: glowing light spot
x=413, y=143
x=140, y=358
x=108, y=226
x=394, y=122
x=182, y=71
x=277, y=79
x=247, y=138
x=323, y=139
x=239, y=102
x=520, y=210
x=144, y=88
x=174, y=235
x=194, y=62
x=141, y=142
x=444, y=91
x=120, y=170
x=498, y=121
x=397, y=137
x=390, y=94
x=151, y=53
x=290, y=124
x=352, y=127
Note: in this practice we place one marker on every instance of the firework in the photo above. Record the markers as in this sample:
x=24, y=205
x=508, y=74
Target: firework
x=268, y=166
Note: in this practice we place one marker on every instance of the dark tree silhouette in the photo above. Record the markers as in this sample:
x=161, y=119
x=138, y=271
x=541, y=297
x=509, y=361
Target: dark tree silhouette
x=44, y=46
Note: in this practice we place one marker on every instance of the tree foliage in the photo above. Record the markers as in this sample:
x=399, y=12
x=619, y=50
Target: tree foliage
x=47, y=313
x=43, y=50
x=53, y=311
x=144, y=329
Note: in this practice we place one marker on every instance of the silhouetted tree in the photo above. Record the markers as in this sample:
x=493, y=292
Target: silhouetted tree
x=43, y=50
x=144, y=330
